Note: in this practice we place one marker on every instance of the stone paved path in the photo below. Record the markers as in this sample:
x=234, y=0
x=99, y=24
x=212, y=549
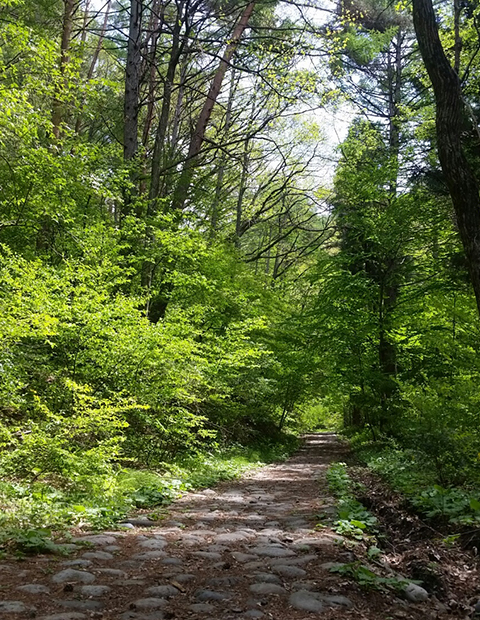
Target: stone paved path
x=247, y=549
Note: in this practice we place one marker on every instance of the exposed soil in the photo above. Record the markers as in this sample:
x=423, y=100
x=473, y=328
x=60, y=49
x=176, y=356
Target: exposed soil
x=237, y=541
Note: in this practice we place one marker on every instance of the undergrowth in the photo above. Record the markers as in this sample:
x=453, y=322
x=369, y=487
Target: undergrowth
x=360, y=527
x=32, y=513
x=353, y=519
x=369, y=580
x=409, y=472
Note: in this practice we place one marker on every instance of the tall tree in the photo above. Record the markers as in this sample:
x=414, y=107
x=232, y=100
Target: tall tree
x=183, y=185
x=451, y=119
x=70, y=9
x=132, y=80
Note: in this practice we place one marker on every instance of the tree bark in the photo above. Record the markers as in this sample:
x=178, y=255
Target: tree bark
x=155, y=27
x=93, y=62
x=241, y=192
x=132, y=82
x=215, y=210
x=177, y=116
x=181, y=191
x=160, y=137
x=451, y=116
x=70, y=9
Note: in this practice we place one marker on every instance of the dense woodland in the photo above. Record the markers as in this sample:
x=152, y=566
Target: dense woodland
x=180, y=273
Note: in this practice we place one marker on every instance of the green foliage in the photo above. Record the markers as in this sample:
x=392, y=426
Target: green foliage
x=396, y=322
x=31, y=541
x=339, y=482
x=413, y=473
x=368, y=579
x=38, y=509
x=324, y=415
x=353, y=520
x=139, y=348
x=455, y=505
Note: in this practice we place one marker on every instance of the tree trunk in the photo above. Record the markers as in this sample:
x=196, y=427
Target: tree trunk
x=395, y=93
x=181, y=191
x=177, y=117
x=241, y=192
x=70, y=9
x=451, y=116
x=161, y=134
x=132, y=82
x=215, y=210
x=155, y=27
x=93, y=63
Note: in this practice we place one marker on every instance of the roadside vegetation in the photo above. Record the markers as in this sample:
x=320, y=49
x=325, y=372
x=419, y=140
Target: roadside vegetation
x=33, y=513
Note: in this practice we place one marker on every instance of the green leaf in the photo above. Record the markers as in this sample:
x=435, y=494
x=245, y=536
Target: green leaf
x=474, y=504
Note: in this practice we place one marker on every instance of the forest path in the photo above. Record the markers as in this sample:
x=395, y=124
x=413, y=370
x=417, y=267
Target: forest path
x=246, y=549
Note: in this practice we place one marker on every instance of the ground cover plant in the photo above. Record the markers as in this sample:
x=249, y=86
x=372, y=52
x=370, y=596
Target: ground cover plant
x=409, y=472
x=33, y=514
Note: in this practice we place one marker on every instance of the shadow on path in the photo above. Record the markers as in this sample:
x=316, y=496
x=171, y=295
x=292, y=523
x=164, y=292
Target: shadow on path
x=246, y=549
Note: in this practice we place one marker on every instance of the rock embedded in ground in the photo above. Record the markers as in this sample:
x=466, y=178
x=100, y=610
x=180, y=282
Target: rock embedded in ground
x=153, y=544
x=133, y=615
x=97, y=540
x=169, y=561
x=304, y=600
x=243, y=557
x=149, y=555
x=216, y=582
x=151, y=602
x=252, y=566
x=266, y=578
x=94, y=591
x=141, y=522
x=267, y=588
x=128, y=583
x=208, y=555
x=304, y=584
x=112, y=572
x=272, y=551
x=34, y=588
x=293, y=561
x=232, y=537
x=336, y=600
x=87, y=605
x=211, y=595
x=97, y=555
x=78, y=562
x=184, y=577
x=289, y=571
x=415, y=594
x=323, y=541
x=14, y=607
x=72, y=575
x=166, y=591
x=69, y=615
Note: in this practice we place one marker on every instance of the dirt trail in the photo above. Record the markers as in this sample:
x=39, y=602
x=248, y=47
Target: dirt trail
x=246, y=549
